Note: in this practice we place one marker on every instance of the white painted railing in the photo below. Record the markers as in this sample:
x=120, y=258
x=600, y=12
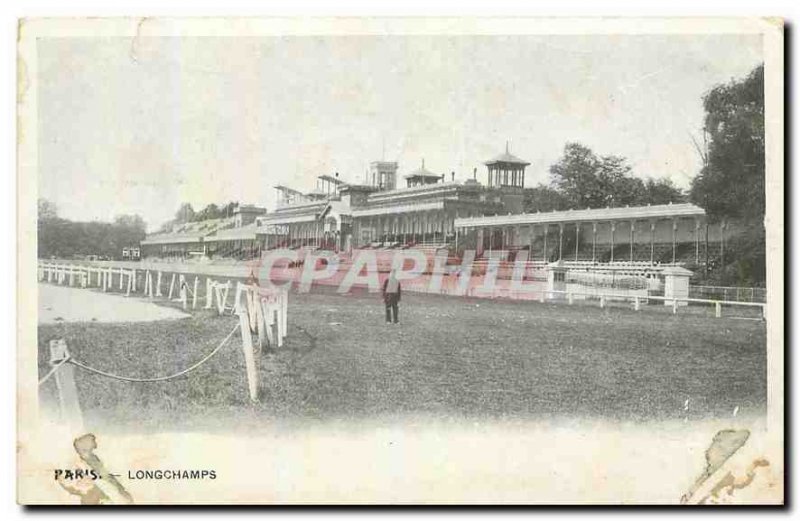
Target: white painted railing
x=731, y=293
x=675, y=302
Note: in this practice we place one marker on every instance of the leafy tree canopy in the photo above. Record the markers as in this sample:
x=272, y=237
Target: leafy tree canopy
x=64, y=238
x=731, y=184
x=582, y=179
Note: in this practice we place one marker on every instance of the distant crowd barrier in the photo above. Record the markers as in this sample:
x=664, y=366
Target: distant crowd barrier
x=638, y=300
x=492, y=279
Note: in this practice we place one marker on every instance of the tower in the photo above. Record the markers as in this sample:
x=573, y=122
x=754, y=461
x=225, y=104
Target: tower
x=506, y=172
x=383, y=175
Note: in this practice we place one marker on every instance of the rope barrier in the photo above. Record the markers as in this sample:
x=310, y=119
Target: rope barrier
x=158, y=378
x=53, y=370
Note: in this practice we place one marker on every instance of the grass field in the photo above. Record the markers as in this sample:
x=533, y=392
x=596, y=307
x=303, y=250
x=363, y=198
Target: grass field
x=449, y=358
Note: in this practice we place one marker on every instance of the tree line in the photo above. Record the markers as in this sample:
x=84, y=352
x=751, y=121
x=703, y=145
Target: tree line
x=187, y=214
x=582, y=179
x=63, y=238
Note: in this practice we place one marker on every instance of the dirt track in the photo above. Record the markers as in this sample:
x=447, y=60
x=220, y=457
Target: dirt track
x=63, y=304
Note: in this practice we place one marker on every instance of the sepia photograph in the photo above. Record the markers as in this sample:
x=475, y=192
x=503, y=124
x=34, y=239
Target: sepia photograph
x=400, y=261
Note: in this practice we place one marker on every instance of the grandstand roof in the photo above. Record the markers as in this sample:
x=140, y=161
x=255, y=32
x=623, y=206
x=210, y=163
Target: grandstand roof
x=506, y=157
x=422, y=172
x=190, y=232
x=288, y=189
x=172, y=238
x=331, y=179
x=241, y=233
x=661, y=211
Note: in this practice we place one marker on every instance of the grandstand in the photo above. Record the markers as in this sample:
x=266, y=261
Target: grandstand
x=432, y=213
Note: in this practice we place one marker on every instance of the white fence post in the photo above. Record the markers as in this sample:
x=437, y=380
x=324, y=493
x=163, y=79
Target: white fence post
x=194, y=292
x=285, y=313
x=183, y=289
x=718, y=309
x=209, y=292
x=147, y=284
x=158, y=284
x=171, y=287
x=222, y=296
x=268, y=312
x=65, y=383
x=249, y=355
x=261, y=327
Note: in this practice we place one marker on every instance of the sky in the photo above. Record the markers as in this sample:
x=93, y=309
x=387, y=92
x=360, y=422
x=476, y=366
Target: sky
x=139, y=126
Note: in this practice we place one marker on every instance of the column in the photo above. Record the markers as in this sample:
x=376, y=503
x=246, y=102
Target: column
x=560, y=239
x=577, y=239
x=652, y=240
x=674, y=238
x=696, y=242
x=544, y=255
x=532, y=235
x=613, y=229
x=633, y=230
x=594, y=241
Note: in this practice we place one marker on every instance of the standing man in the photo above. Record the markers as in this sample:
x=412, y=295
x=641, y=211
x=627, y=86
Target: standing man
x=391, y=297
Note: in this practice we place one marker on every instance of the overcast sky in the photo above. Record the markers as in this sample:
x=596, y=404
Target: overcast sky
x=139, y=126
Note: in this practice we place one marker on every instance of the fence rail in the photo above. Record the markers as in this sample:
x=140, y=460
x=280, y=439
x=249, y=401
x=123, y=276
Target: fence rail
x=262, y=312
x=729, y=293
x=675, y=302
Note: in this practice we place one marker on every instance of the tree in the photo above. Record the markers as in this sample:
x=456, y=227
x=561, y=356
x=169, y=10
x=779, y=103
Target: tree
x=662, y=191
x=585, y=180
x=63, y=238
x=129, y=230
x=46, y=210
x=185, y=214
x=543, y=198
x=575, y=176
x=211, y=211
x=730, y=186
x=229, y=209
x=731, y=183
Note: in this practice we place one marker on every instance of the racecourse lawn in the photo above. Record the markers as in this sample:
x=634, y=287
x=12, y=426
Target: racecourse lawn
x=449, y=358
